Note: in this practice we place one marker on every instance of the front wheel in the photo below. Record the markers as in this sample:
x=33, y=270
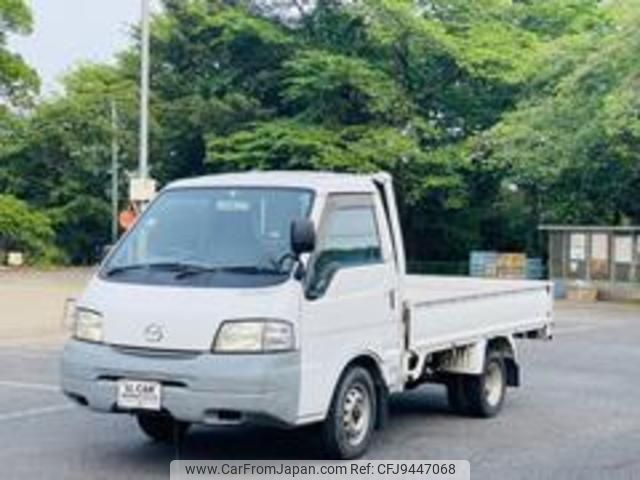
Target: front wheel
x=162, y=428
x=348, y=429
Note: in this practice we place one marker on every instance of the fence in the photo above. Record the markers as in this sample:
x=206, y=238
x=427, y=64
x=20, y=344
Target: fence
x=455, y=268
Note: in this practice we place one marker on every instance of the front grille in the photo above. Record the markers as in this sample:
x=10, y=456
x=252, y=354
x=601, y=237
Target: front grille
x=157, y=353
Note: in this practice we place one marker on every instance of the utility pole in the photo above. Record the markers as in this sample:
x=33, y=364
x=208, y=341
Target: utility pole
x=144, y=92
x=115, y=153
x=142, y=188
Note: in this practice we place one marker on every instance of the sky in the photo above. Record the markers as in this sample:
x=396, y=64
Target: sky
x=71, y=31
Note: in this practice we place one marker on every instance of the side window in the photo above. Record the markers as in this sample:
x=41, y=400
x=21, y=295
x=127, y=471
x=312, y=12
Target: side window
x=349, y=238
x=352, y=237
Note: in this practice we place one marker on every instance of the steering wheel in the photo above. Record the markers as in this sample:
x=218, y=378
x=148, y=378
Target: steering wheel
x=279, y=262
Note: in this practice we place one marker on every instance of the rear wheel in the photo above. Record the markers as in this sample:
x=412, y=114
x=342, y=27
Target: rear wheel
x=486, y=392
x=348, y=429
x=162, y=428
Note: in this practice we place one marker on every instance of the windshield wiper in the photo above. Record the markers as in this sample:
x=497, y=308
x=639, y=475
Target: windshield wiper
x=252, y=270
x=246, y=270
x=170, y=266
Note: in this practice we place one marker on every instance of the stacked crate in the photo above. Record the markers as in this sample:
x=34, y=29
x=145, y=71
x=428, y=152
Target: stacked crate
x=505, y=265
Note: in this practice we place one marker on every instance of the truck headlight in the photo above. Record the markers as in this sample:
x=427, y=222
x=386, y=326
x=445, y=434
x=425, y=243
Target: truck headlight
x=87, y=326
x=254, y=336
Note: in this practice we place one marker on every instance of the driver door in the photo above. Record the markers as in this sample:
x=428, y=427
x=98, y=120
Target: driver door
x=351, y=294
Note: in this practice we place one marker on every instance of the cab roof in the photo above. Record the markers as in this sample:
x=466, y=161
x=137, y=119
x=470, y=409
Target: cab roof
x=320, y=182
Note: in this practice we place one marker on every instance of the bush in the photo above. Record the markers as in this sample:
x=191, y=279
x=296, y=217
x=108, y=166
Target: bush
x=82, y=228
x=26, y=230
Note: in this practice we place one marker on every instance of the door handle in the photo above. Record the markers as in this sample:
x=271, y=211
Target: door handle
x=392, y=299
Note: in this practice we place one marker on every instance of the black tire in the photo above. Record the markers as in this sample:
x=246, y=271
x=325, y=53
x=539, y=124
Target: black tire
x=348, y=429
x=457, y=394
x=162, y=428
x=486, y=392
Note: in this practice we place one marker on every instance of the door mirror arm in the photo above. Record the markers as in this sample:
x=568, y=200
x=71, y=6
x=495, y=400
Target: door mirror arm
x=300, y=271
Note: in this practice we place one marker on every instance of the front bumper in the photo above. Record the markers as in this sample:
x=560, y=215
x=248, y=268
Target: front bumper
x=197, y=387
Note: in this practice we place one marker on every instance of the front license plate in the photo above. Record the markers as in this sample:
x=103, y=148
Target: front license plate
x=139, y=395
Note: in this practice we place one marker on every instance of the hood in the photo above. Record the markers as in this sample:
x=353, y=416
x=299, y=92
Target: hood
x=169, y=318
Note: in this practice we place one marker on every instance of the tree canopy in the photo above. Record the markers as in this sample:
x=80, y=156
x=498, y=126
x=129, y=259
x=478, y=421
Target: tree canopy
x=493, y=115
x=23, y=229
x=17, y=80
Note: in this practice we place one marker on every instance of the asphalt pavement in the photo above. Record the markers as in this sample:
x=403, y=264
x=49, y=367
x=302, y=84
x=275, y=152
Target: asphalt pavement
x=576, y=416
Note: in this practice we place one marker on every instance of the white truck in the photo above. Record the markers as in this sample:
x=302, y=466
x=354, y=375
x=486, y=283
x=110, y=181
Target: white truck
x=282, y=298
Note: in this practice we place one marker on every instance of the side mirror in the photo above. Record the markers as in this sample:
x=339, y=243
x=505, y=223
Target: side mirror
x=303, y=237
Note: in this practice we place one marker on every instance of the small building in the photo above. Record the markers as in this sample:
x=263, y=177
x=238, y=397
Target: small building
x=606, y=259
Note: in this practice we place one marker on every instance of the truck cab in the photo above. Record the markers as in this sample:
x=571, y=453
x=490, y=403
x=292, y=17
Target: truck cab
x=279, y=298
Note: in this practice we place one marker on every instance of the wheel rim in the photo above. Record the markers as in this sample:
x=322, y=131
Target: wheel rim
x=493, y=382
x=356, y=414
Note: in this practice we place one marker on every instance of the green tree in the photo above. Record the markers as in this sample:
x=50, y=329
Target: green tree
x=17, y=79
x=492, y=115
x=60, y=156
x=574, y=150
x=26, y=230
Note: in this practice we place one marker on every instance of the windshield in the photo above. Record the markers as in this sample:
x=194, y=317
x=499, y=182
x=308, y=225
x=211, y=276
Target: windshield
x=230, y=237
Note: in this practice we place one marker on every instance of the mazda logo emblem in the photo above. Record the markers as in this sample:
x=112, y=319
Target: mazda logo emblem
x=154, y=333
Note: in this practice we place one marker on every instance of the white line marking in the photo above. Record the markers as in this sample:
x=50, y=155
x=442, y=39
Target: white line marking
x=30, y=386
x=35, y=412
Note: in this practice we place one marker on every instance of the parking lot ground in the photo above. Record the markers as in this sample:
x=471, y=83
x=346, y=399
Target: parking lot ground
x=576, y=416
x=32, y=303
